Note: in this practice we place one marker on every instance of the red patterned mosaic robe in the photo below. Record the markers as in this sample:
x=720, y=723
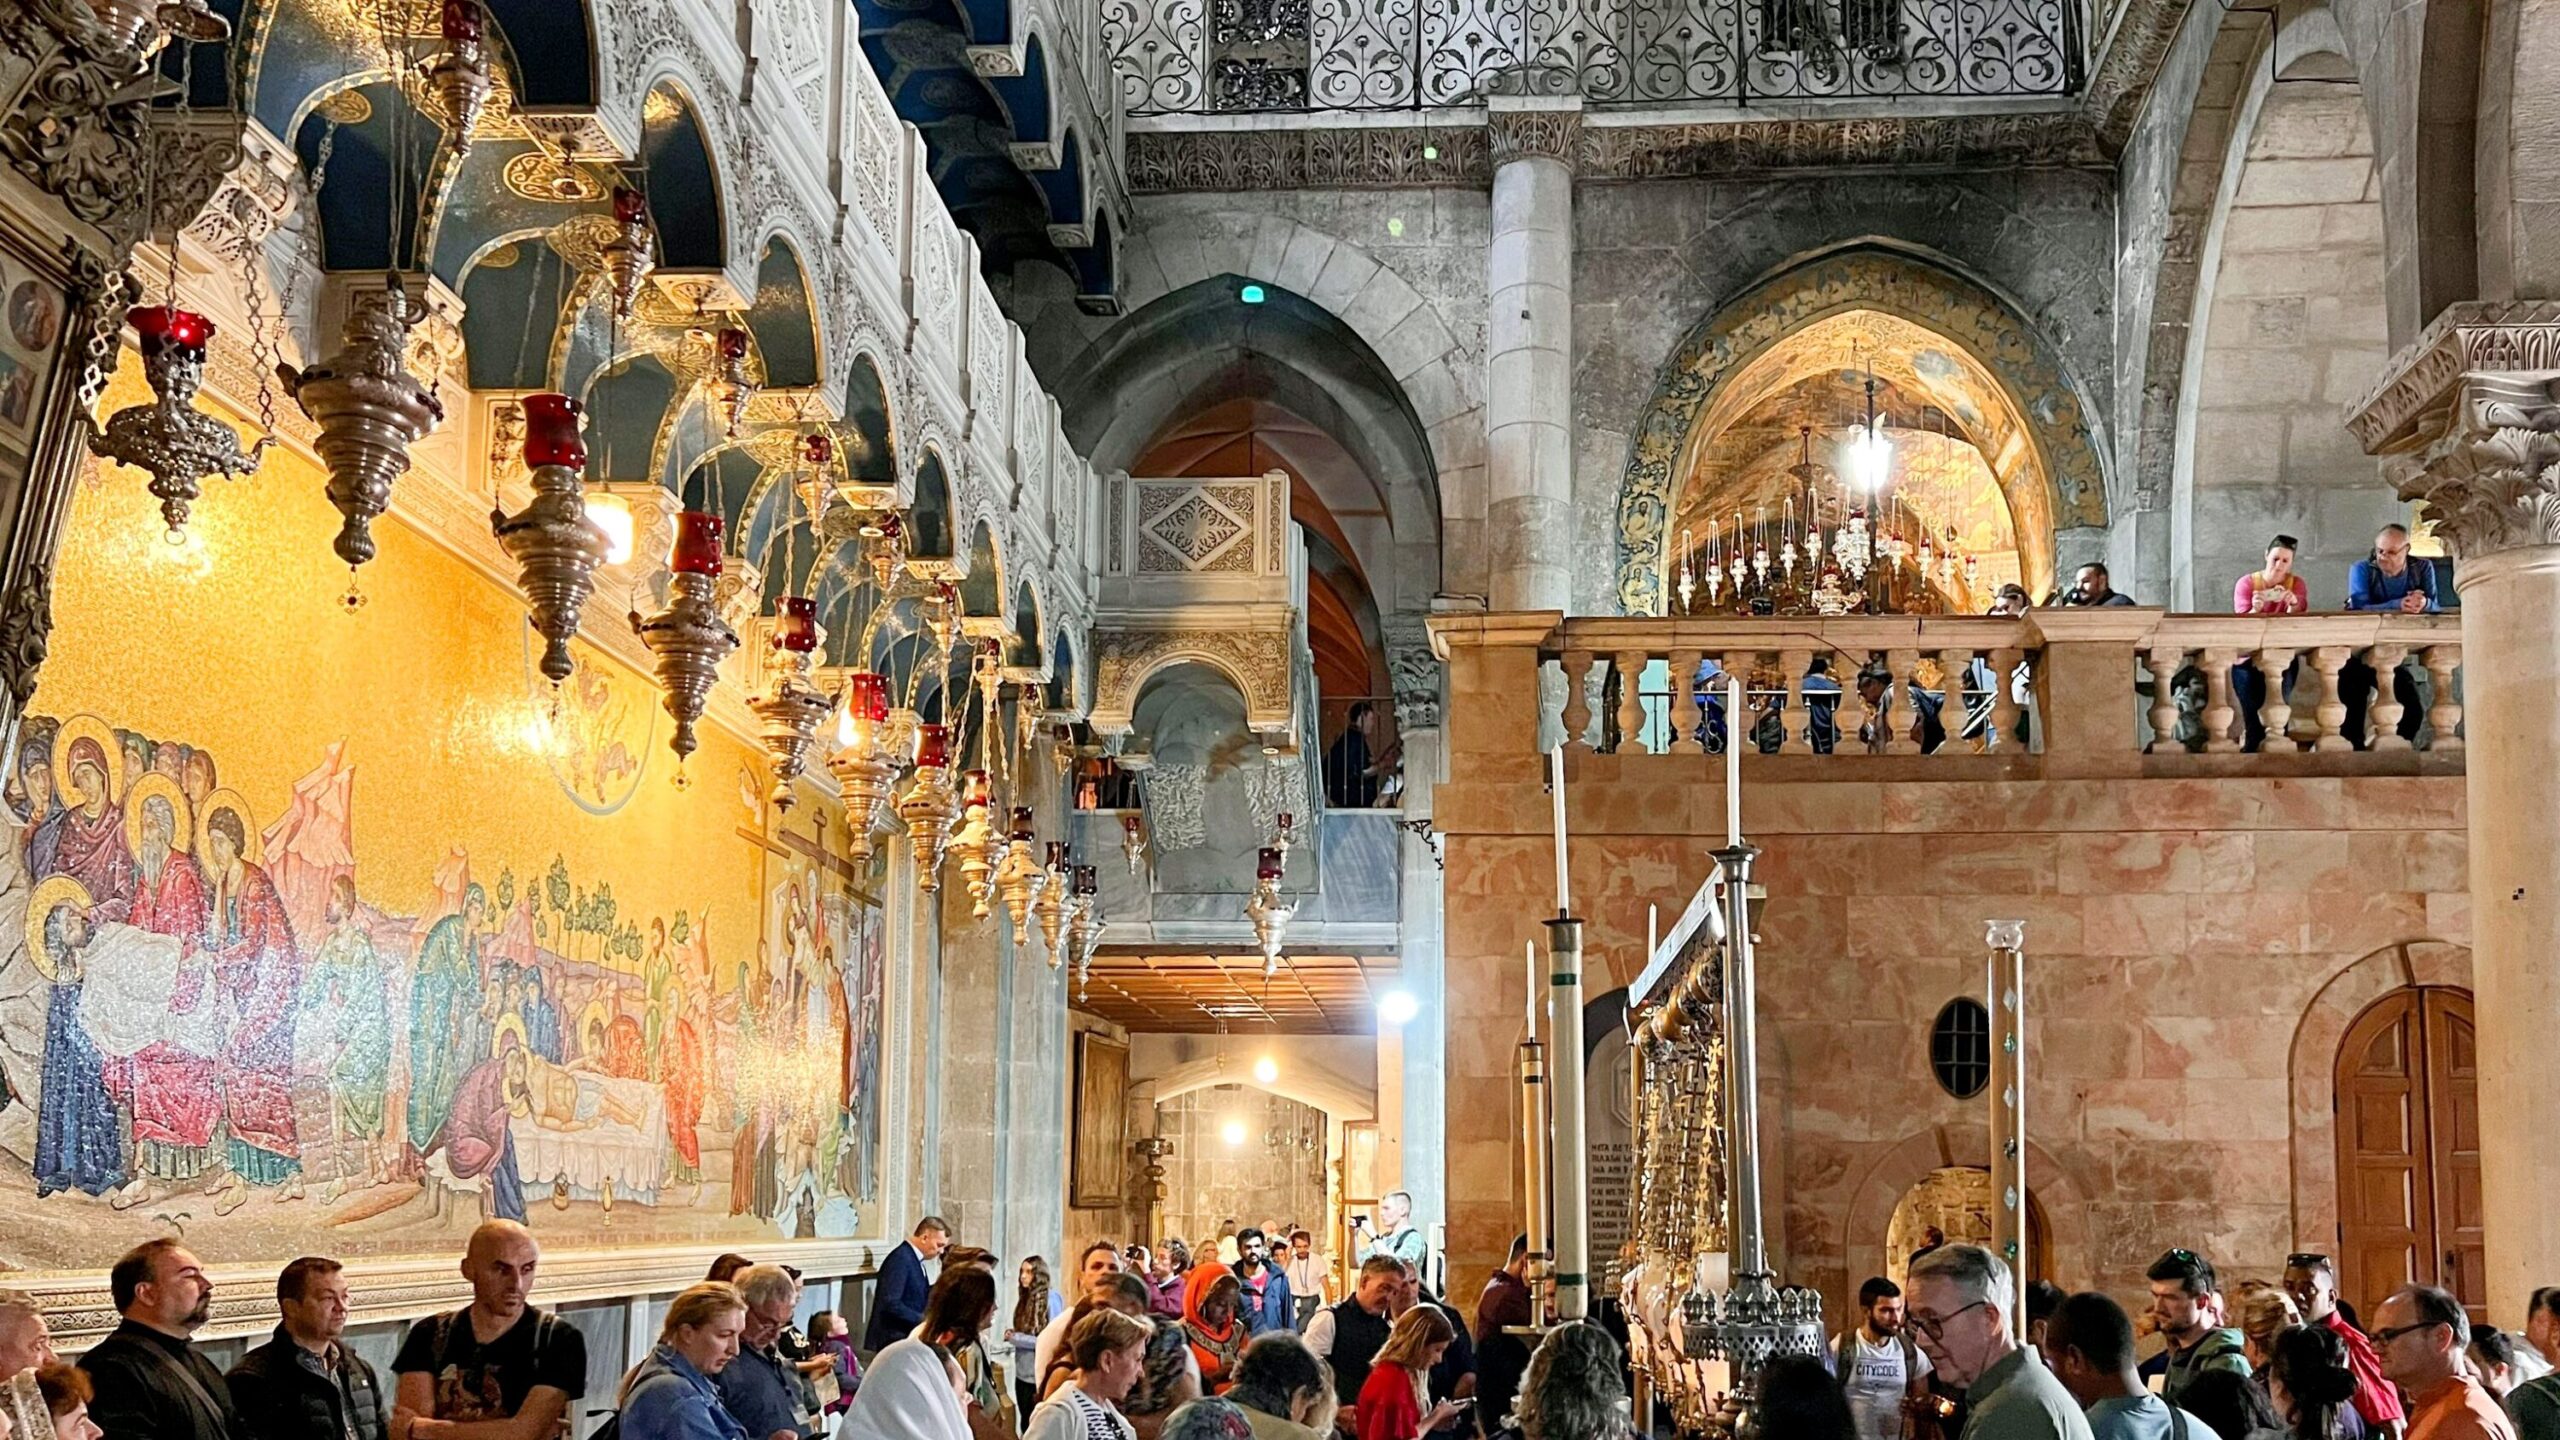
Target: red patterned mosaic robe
x=259, y=973
x=175, y=1095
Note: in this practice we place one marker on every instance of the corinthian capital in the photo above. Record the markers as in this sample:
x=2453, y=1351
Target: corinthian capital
x=2491, y=481
x=1526, y=127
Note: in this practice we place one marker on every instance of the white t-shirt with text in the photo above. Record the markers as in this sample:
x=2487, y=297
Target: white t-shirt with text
x=1876, y=1379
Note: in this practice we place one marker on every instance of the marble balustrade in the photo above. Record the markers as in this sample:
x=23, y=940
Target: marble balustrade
x=2125, y=689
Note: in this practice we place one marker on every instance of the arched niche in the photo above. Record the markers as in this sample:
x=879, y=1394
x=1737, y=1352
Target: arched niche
x=514, y=296
x=1025, y=97
x=1960, y=470
x=2043, y=404
x=1065, y=185
x=866, y=438
x=1957, y=1201
x=1061, y=690
x=685, y=200
x=627, y=407
x=1025, y=653
x=931, y=517
x=784, y=318
x=982, y=589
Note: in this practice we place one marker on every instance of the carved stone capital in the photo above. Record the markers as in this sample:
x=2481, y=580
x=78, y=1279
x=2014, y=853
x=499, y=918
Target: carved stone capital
x=1414, y=674
x=1528, y=129
x=2490, y=481
x=2469, y=337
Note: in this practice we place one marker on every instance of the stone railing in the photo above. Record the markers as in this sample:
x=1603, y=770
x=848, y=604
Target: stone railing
x=2055, y=692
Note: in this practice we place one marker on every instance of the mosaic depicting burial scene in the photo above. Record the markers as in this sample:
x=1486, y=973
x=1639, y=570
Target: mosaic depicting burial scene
x=271, y=980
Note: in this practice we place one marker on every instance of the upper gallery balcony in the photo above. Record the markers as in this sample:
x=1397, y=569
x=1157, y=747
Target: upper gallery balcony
x=1267, y=57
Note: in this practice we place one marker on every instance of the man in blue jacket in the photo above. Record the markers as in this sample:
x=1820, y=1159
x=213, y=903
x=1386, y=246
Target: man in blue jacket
x=1267, y=1304
x=897, y=1296
x=2387, y=581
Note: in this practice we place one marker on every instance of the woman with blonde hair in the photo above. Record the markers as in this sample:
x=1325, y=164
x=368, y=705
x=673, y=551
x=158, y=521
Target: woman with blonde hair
x=2263, y=1312
x=669, y=1395
x=1392, y=1400
x=1110, y=1353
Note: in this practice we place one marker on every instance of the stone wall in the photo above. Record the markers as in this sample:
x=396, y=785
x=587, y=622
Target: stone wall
x=2195, y=950
x=2294, y=332
x=1653, y=259
x=1212, y=1181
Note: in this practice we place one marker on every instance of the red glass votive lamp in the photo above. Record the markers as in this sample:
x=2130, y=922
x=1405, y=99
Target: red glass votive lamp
x=795, y=624
x=733, y=343
x=166, y=327
x=933, y=747
x=697, y=549
x=817, y=448
x=462, y=21
x=551, y=434
x=1086, y=884
x=1267, y=864
x=866, y=695
x=629, y=206
x=975, y=789
x=1057, y=854
x=1021, y=827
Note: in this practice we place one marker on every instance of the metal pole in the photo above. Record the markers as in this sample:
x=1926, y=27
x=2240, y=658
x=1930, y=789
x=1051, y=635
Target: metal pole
x=1572, y=1163
x=2008, y=1091
x=1742, y=1050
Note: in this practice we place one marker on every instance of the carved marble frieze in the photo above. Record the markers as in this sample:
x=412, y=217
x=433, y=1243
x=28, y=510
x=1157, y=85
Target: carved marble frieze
x=2471, y=335
x=1255, y=659
x=1168, y=161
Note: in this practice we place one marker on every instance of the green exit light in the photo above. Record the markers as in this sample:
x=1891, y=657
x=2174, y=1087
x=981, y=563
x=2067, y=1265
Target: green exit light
x=1251, y=294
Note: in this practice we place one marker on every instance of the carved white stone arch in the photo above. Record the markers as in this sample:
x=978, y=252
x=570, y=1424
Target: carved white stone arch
x=1256, y=662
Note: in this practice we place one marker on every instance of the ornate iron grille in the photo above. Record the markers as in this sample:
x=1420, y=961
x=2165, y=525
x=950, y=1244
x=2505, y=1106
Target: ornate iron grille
x=1241, y=56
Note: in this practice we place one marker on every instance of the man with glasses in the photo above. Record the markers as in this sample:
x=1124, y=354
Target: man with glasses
x=1962, y=1303
x=2422, y=1334
x=2313, y=1283
x=2186, y=1308
x=760, y=1388
x=2386, y=581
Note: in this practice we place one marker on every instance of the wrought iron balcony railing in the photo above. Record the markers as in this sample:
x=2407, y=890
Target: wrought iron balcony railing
x=1173, y=57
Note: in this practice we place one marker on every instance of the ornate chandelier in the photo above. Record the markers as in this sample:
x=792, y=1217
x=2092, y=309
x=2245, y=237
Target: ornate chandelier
x=1263, y=908
x=929, y=806
x=791, y=707
x=168, y=438
x=861, y=763
x=688, y=637
x=1019, y=877
x=460, y=77
x=557, y=549
x=370, y=410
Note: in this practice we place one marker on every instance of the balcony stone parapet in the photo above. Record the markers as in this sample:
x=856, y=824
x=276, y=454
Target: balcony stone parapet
x=2056, y=694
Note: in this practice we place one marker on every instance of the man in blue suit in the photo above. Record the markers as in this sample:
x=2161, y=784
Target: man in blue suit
x=897, y=1296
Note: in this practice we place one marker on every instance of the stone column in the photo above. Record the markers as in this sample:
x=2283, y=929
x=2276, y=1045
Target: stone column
x=2474, y=406
x=1528, y=411
x=1416, y=678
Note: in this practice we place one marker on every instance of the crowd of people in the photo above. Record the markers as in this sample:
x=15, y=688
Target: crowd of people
x=1260, y=1349
x=2262, y=1360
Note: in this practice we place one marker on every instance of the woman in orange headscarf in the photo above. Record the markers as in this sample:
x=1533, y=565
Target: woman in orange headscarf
x=1217, y=1336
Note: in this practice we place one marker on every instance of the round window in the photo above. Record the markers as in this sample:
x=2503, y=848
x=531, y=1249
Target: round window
x=1960, y=1047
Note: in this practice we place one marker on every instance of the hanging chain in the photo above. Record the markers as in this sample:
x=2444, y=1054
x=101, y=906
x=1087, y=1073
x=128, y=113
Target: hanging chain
x=267, y=341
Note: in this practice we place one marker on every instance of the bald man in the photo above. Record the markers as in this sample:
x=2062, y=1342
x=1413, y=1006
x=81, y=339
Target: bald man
x=498, y=1369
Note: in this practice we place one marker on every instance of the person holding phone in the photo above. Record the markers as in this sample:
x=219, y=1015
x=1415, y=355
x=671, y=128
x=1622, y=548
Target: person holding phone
x=1392, y=1398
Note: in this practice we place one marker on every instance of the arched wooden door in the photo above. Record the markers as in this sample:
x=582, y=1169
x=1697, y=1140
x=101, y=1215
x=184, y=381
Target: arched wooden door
x=2408, y=1104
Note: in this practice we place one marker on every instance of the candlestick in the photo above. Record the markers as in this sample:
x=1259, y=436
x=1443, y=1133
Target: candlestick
x=1555, y=783
x=1652, y=930
x=1734, y=730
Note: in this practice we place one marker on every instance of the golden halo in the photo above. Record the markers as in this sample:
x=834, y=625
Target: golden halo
x=182, y=819
x=253, y=846
x=51, y=894
x=509, y=1025
x=86, y=727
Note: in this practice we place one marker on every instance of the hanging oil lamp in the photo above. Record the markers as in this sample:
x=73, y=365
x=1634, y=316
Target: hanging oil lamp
x=1019, y=878
x=1133, y=841
x=731, y=384
x=929, y=805
x=1688, y=575
x=630, y=253
x=193, y=21
x=168, y=438
x=862, y=771
x=791, y=707
x=1051, y=904
x=460, y=76
x=1084, y=920
x=885, y=543
x=688, y=637
x=969, y=844
x=370, y=410
x=1263, y=910
x=557, y=549
x=942, y=611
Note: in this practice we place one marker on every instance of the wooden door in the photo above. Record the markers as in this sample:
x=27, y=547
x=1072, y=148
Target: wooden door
x=2407, y=1102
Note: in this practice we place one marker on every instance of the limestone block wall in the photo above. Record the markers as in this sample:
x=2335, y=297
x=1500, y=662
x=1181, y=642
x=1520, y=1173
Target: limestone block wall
x=1212, y=1181
x=2196, y=948
x=2295, y=330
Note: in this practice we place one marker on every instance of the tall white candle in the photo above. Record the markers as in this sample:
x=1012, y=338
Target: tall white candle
x=1652, y=930
x=1555, y=786
x=1532, y=948
x=1735, y=728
